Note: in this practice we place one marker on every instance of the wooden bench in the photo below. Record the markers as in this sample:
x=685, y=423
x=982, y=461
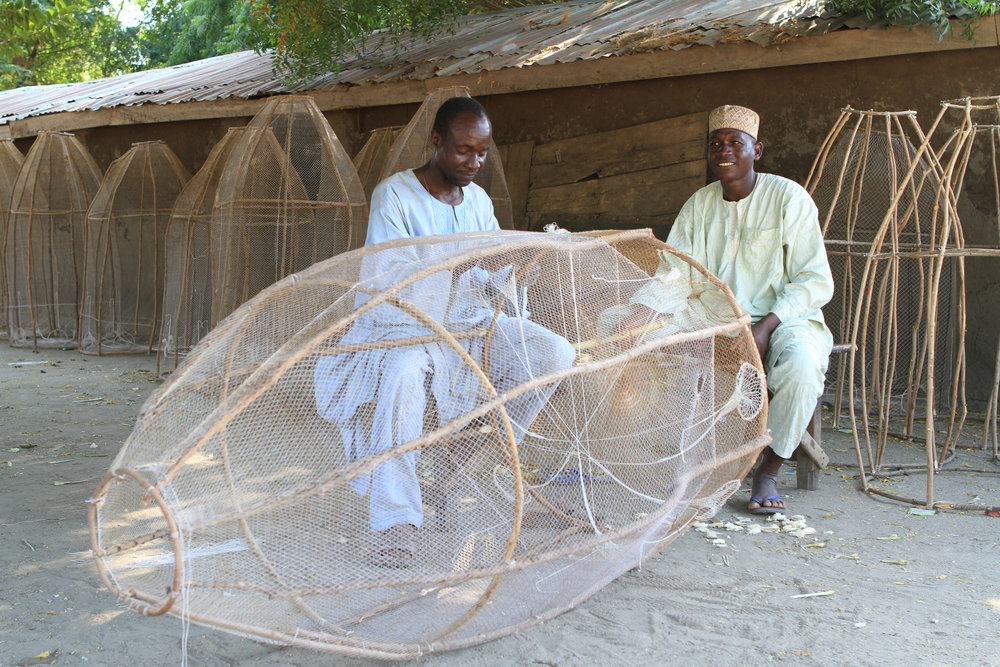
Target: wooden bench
x=809, y=455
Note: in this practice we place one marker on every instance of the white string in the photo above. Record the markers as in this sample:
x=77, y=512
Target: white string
x=734, y=403
x=170, y=495
x=618, y=281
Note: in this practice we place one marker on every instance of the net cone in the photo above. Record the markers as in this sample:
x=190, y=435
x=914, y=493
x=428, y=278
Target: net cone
x=370, y=160
x=126, y=242
x=187, y=296
x=45, y=244
x=288, y=196
x=10, y=163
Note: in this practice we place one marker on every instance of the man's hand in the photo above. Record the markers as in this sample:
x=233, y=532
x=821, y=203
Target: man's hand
x=630, y=327
x=762, y=331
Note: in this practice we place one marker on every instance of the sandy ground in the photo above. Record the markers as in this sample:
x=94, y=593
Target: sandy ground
x=901, y=589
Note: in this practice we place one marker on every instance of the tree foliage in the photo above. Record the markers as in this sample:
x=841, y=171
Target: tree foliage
x=49, y=41
x=54, y=41
x=312, y=37
x=179, y=32
x=936, y=13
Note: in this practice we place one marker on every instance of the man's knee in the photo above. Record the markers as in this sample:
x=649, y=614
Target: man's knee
x=797, y=367
x=547, y=351
x=565, y=353
x=409, y=370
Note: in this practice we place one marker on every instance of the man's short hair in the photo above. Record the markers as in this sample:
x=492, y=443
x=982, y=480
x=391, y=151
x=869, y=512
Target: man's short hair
x=454, y=107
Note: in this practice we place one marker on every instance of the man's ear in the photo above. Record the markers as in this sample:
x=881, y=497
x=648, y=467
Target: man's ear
x=435, y=139
x=758, y=150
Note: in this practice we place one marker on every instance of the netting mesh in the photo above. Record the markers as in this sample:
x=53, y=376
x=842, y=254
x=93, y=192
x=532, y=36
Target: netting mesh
x=187, y=293
x=126, y=237
x=289, y=196
x=477, y=380
x=412, y=148
x=370, y=160
x=45, y=241
x=10, y=163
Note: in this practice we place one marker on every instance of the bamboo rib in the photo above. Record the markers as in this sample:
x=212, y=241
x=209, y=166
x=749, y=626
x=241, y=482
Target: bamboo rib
x=173, y=533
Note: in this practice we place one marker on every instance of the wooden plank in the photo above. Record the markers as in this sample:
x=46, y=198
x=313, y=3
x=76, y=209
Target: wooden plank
x=516, y=160
x=813, y=450
x=635, y=148
x=806, y=473
x=809, y=455
x=624, y=199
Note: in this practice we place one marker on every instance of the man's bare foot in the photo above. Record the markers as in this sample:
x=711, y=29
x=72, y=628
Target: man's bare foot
x=764, y=496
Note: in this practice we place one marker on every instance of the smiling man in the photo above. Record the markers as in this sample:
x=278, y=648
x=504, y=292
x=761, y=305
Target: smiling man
x=760, y=234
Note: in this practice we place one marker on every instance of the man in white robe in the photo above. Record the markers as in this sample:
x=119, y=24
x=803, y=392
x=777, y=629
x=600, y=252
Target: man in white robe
x=436, y=198
x=760, y=234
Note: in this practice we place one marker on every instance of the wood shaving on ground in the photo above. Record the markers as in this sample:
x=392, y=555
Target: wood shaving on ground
x=794, y=525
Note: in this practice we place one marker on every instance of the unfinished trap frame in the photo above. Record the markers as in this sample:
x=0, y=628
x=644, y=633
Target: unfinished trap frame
x=412, y=148
x=544, y=454
x=902, y=291
x=45, y=241
x=126, y=240
x=289, y=196
x=974, y=142
x=187, y=294
x=10, y=163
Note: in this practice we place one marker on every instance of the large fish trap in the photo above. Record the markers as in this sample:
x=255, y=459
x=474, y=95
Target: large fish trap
x=288, y=196
x=477, y=383
x=10, y=163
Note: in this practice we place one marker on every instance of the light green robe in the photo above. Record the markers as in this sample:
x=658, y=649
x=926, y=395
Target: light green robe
x=768, y=248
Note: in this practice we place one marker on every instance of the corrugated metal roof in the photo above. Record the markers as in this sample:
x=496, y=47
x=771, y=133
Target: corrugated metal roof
x=536, y=35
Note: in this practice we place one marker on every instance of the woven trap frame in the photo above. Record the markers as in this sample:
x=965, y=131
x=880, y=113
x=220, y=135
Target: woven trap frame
x=878, y=196
x=908, y=290
x=126, y=238
x=289, y=196
x=545, y=453
x=45, y=241
x=187, y=291
x=412, y=148
x=10, y=163
x=968, y=133
x=370, y=160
